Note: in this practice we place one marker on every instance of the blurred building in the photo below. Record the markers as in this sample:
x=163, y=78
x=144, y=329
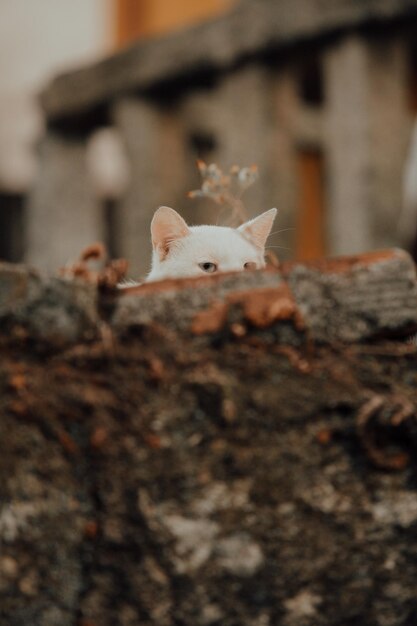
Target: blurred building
x=37, y=39
x=321, y=94
x=41, y=38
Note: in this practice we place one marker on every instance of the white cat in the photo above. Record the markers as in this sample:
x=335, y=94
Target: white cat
x=180, y=250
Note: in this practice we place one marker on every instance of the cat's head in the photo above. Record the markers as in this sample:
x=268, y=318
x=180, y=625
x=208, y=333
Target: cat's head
x=181, y=250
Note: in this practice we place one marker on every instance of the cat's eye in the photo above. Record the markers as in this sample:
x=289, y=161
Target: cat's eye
x=250, y=265
x=208, y=267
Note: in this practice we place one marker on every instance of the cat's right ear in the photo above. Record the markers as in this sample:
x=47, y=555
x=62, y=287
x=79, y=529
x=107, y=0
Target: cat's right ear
x=167, y=226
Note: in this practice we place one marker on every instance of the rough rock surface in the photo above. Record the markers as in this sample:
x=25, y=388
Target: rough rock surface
x=226, y=451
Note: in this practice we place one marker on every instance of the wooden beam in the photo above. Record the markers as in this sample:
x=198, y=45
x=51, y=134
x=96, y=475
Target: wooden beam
x=138, y=18
x=216, y=44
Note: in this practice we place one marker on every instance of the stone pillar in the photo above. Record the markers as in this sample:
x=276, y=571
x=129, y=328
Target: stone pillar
x=348, y=147
x=366, y=128
x=155, y=148
x=63, y=213
x=283, y=164
x=391, y=127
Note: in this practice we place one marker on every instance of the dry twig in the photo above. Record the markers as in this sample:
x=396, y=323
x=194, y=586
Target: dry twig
x=226, y=189
x=106, y=277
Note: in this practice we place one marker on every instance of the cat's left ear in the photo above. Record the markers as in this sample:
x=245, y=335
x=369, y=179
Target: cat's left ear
x=258, y=229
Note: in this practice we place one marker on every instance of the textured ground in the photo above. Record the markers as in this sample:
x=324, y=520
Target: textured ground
x=245, y=475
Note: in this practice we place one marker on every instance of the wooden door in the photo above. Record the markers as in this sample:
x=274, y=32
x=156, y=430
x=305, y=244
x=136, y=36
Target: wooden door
x=310, y=227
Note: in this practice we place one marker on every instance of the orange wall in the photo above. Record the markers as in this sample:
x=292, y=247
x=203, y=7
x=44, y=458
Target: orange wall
x=137, y=18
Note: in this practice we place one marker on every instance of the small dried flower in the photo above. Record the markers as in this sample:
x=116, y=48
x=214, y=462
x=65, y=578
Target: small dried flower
x=226, y=189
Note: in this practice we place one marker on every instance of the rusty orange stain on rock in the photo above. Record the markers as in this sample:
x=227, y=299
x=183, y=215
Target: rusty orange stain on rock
x=210, y=320
x=152, y=440
x=18, y=382
x=263, y=307
x=91, y=529
x=260, y=307
x=238, y=330
x=324, y=436
x=156, y=369
x=67, y=442
x=168, y=284
x=19, y=408
x=177, y=284
x=98, y=437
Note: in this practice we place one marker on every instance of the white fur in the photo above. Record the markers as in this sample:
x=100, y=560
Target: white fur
x=178, y=249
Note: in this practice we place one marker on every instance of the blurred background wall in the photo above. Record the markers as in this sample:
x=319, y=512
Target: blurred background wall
x=327, y=112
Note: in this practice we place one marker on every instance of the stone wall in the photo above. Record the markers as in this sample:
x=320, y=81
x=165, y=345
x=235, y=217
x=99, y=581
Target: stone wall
x=234, y=450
